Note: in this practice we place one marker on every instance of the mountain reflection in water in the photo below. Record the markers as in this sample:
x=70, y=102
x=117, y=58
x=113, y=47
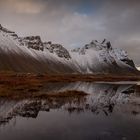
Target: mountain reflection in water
x=106, y=100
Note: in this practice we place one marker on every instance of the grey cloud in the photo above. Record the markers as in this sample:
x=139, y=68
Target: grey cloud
x=62, y=22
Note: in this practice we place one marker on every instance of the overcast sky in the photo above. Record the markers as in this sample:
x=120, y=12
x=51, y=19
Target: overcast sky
x=73, y=23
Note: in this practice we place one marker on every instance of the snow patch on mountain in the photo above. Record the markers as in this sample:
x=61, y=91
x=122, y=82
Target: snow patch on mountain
x=94, y=57
x=138, y=68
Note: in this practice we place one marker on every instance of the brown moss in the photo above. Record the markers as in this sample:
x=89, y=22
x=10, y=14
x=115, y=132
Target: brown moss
x=34, y=93
x=25, y=85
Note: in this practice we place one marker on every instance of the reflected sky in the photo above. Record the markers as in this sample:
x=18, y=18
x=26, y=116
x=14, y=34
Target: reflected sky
x=109, y=112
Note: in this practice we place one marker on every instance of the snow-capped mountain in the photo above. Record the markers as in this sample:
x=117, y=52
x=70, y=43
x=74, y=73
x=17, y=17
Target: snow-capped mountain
x=101, y=57
x=30, y=54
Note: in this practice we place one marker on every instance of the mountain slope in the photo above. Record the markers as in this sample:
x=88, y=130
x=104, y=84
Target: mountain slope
x=20, y=55
x=30, y=54
x=101, y=57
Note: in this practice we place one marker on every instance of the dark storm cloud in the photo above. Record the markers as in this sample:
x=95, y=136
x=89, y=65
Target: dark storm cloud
x=76, y=22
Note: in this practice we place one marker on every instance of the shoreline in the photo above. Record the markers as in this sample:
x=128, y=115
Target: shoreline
x=68, y=77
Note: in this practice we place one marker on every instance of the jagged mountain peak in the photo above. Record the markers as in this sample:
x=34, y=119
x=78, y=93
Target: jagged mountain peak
x=94, y=44
x=8, y=32
x=5, y=30
x=33, y=42
x=105, y=44
x=102, y=57
x=31, y=54
x=58, y=49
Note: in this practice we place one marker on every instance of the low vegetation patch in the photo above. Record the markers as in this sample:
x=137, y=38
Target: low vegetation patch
x=25, y=85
